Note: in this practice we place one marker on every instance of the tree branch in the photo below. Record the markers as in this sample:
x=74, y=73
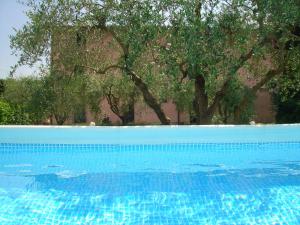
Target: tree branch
x=243, y=58
x=113, y=102
x=269, y=75
x=218, y=97
x=198, y=9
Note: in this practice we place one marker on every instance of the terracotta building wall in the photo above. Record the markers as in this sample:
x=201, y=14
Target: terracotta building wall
x=143, y=114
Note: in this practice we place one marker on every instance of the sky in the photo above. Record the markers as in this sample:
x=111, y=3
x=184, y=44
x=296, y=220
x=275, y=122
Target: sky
x=12, y=15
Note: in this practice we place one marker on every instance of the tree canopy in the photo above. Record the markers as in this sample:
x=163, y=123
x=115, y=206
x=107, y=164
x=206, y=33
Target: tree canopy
x=194, y=50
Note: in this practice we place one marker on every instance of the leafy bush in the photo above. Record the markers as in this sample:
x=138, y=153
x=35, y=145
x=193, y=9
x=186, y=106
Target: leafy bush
x=12, y=114
x=20, y=116
x=25, y=96
x=6, y=113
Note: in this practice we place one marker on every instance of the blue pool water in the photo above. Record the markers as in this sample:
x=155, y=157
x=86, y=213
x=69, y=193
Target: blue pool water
x=154, y=175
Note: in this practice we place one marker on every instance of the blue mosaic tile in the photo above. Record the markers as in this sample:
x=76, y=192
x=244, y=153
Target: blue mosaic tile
x=18, y=147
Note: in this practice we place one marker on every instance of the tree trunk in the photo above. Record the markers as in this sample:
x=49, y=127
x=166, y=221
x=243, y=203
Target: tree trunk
x=178, y=117
x=128, y=116
x=139, y=83
x=114, y=104
x=203, y=114
x=60, y=120
x=149, y=98
x=205, y=119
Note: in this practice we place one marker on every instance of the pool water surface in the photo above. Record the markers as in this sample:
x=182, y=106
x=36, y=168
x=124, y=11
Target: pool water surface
x=251, y=180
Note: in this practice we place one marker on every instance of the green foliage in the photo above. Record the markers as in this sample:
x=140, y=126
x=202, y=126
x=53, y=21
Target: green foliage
x=237, y=105
x=182, y=95
x=288, y=85
x=122, y=89
x=286, y=90
x=94, y=94
x=12, y=114
x=164, y=42
x=2, y=87
x=246, y=111
x=61, y=95
x=6, y=113
x=36, y=99
x=24, y=95
x=20, y=116
x=119, y=90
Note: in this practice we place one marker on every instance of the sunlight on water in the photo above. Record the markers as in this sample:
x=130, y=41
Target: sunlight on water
x=266, y=206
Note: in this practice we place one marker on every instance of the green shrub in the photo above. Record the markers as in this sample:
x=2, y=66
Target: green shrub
x=12, y=114
x=20, y=116
x=6, y=113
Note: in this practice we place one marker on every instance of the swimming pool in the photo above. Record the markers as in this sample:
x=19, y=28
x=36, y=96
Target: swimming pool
x=150, y=175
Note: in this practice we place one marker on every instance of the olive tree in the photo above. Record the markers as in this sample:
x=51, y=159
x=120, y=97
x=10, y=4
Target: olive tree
x=126, y=22
x=211, y=42
x=204, y=42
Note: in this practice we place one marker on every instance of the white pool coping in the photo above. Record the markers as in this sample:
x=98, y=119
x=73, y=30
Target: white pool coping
x=146, y=126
